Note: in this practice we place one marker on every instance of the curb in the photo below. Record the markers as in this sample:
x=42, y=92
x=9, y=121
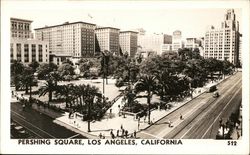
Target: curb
x=180, y=106
x=87, y=135
x=171, y=112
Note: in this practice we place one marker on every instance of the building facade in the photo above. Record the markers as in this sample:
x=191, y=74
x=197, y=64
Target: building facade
x=20, y=28
x=29, y=50
x=177, y=42
x=72, y=39
x=166, y=48
x=23, y=47
x=192, y=43
x=108, y=39
x=223, y=43
x=153, y=42
x=128, y=42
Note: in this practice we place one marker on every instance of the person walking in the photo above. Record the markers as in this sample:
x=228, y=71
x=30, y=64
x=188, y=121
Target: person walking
x=117, y=133
x=181, y=118
x=135, y=134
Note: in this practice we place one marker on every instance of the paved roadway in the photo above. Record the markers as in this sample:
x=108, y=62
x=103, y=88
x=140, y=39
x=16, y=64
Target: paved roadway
x=39, y=124
x=201, y=115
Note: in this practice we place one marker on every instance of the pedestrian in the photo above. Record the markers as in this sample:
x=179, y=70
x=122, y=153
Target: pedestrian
x=121, y=127
x=123, y=131
x=181, y=117
x=220, y=121
x=238, y=134
x=134, y=134
x=23, y=106
x=117, y=133
x=110, y=110
x=126, y=133
x=100, y=135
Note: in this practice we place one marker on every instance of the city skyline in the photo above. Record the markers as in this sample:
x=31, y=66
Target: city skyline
x=162, y=20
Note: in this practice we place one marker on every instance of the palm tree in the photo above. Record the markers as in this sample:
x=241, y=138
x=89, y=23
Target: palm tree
x=147, y=83
x=88, y=93
x=16, y=69
x=66, y=92
x=48, y=88
x=27, y=80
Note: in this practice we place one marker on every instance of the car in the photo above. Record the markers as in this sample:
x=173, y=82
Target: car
x=216, y=94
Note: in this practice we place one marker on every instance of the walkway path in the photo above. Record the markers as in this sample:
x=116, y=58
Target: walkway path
x=113, y=121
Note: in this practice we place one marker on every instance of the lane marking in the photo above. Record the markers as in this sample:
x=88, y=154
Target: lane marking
x=18, y=114
x=74, y=136
x=28, y=129
x=212, y=107
x=188, y=113
x=151, y=135
x=36, y=127
x=191, y=111
x=228, y=90
x=220, y=113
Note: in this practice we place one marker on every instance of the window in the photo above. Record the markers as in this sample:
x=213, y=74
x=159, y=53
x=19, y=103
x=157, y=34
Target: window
x=33, y=52
x=26, y=52
x=18, y=47
x=11, y=52
x=40, y=53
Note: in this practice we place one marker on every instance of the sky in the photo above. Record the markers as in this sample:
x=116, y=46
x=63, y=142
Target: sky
x=154, y=17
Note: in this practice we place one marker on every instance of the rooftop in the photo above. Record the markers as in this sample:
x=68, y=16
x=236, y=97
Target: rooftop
x=128, y=32
x=66, y=23
x=24, y=20
x=107, y=28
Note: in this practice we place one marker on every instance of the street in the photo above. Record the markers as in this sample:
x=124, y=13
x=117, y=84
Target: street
x=201, y=115
x=39, y=124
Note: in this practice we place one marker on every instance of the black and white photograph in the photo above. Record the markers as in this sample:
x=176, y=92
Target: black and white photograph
x=82, y=75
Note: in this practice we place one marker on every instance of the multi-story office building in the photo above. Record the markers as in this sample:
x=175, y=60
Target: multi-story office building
x=128, y=42
x=223, y=43
x=108, y=39
x=29, y=50
x=240, y=51
x=72, y=39
x=166, y=48
x=177, y=42
x=192, y=43
x=153, y=42
x=20, y=28
x=22, y=47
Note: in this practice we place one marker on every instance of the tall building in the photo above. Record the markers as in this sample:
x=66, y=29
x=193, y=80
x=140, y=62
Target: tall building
x=177, y=42
x=69, y=39
x=29, y=50
x=166, y=48
x=22, y=47
x=128, y=42
x=108, y=39
x=223, y=43
x=20, y=28
x=192, y=43
x=153, y=42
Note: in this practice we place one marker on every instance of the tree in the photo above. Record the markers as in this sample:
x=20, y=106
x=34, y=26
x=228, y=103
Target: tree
x=27, y=79
x=147, y=83
x=66, y=70
x=49, y=73
x=16, y=69
x=44, y=69
x=87, y=95
x=66, y=91
x=34, y=65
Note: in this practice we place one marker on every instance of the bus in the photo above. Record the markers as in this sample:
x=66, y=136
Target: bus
x=211, y=87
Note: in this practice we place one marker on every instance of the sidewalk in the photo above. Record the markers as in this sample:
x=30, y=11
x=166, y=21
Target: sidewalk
x=112, y=121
